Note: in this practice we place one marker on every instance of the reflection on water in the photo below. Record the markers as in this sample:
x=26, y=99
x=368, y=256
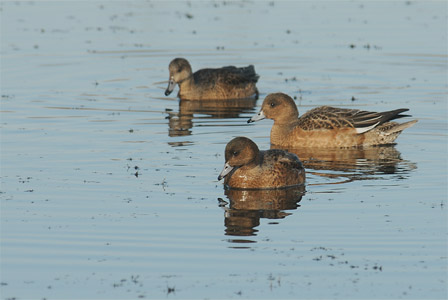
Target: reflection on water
x=247, y=207
x=354, y=164
x=181, y=123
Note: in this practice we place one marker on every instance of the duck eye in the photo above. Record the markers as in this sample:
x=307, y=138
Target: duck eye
x=272, y=104
x=235, y=153
x=179, y=69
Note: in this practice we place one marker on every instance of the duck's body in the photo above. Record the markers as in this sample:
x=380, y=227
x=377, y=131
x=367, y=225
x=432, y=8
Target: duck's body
x=212, y=84
x=328, y=126
x=248, y=168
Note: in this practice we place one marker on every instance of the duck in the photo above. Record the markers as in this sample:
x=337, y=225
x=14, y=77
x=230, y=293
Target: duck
x=246, y=167
x=328, y=127
x=211, y=84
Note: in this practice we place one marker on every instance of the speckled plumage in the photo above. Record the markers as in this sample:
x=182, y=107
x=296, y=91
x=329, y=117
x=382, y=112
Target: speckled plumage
x=328, y=126
x=254, y=169
x=212, y=84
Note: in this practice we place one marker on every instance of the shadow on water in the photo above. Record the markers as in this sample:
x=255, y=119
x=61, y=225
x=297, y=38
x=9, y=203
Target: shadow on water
x=354, y=164
x=246, y=207
x=181, y=123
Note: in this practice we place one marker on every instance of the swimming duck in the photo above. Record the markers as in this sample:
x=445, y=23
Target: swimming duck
x=247, y=167
x=211, y=84
x=327, y=126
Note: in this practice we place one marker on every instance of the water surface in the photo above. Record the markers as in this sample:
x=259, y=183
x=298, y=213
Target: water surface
x=109, y=189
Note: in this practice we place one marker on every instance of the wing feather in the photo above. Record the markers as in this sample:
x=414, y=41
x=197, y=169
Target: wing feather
x=326, y=117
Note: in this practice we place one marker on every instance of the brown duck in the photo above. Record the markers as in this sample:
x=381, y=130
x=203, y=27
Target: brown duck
x=327, y=126
x=247, y=167
x=212, y=84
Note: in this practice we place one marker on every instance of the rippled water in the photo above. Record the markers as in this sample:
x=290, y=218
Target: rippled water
x=109, y=189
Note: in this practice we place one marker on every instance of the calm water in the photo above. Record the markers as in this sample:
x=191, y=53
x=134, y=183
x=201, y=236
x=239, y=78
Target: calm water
x=109, y=189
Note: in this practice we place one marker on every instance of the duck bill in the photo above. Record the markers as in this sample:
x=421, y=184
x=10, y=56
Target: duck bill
x=257, y=117
x=226, y=170
x=170, y=88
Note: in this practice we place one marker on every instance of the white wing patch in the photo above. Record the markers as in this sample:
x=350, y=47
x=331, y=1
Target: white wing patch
x=364, y=129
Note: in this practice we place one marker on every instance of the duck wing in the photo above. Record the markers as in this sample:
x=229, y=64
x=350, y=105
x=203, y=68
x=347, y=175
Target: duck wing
x=226, y=75
x=277, y=158
x=326, y=117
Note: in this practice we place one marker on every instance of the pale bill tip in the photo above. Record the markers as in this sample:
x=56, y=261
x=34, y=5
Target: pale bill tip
x=257, y=117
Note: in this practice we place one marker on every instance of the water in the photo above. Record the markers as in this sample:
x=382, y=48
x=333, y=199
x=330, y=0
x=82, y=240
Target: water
x=109, y=189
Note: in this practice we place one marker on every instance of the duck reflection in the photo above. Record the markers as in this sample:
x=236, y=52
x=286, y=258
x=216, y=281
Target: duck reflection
x=353, y=164
x=181, y=123
x=247, y=207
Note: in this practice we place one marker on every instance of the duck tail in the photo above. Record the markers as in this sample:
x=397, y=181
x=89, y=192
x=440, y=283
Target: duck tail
x=393, y=114
x=399, y=127
x=252, y=74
